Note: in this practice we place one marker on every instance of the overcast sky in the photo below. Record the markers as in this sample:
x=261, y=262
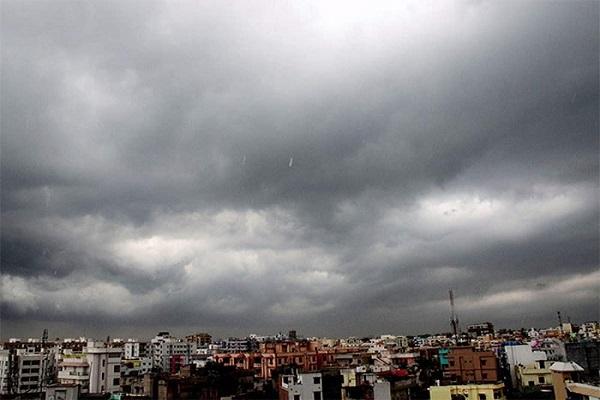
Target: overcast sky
x=148, y=181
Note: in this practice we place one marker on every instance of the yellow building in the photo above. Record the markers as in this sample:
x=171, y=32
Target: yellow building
x=533, y=376
x=489, y=391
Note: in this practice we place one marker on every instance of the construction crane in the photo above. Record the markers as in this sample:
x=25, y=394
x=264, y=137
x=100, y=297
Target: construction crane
x=453, y=317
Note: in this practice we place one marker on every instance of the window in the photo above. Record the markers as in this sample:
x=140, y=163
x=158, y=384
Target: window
x=296, y=397
x=531, y=383
x=286, y=379
x=542, y=364
x=117, y=368
x=102, y=376
x=451, y=362
x=316, y=395
x=116, y=382
x=103, y=363
x=482, y=396
x=483, y=361
x=541, y=379
x=316, y=380
x=484, y=375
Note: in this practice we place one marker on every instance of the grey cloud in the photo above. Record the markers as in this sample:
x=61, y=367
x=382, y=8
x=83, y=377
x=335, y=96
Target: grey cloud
x=147, y=148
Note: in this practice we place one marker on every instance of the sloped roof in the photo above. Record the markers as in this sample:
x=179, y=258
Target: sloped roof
x=568, y=366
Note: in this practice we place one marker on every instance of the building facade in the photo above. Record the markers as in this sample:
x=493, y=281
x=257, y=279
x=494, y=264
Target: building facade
x=104, y=367
x=466, y=365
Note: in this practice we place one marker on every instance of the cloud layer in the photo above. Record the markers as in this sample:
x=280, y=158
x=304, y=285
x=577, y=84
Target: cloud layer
x=146, y=181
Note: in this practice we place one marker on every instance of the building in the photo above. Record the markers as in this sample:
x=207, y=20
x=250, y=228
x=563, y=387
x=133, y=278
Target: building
x=301, y=386
x=484, y=328
x=533, y=377
x=165, y=347
x=4, y=371
x=201, y=339
x=74, y=370
x=590, y=330
x=62, y=392
x=468, y=392
x=466, y=365
x=104, y=367
x=521, y=355
x=553, y=347
x=25, y=370
x=132, y=374
x=563, y=372
x=586, y=354
x=133, y=349
x=305, y=355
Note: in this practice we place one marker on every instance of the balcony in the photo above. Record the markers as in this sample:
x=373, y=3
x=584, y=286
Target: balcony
x=68, y=375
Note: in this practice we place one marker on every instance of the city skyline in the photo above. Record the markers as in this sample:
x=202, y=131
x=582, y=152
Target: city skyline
x=333, y=168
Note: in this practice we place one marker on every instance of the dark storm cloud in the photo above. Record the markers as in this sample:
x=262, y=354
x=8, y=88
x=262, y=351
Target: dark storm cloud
x=146, y=177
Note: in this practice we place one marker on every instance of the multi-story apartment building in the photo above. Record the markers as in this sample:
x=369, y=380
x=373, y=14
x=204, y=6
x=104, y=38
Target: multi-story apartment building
x=301, y=386
x=466, y=365
x=307, y=356
x=132, y=349
x=521, y=355
x=97, y=369
x=75, y=370
x=202, y=339
x=585, y=353
x=165, y=347
x=104, y=367
x=23, y=370
x=4, y=370
x=533, y=376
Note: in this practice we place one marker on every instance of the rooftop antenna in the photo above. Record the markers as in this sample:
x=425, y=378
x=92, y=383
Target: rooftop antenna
x=559, y=318
x=453, y=317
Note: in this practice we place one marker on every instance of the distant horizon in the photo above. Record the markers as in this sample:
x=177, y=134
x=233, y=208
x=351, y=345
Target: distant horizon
x=301, y=335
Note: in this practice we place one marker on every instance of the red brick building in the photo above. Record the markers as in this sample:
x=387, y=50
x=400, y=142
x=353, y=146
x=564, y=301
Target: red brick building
x=467, y=365
x=307, y=355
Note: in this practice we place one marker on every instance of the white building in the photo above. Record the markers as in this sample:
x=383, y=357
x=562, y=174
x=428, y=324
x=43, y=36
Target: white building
x=104, y=367
x=134, y=349
x=302, y=386
x=165, y=346
x=522, y=355
x=74, y=370
x=4, y=369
